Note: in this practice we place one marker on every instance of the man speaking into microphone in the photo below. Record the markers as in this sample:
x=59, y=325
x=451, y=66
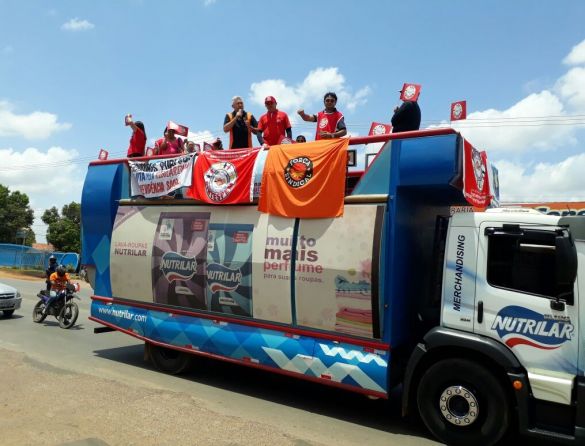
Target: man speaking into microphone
x=240, y=125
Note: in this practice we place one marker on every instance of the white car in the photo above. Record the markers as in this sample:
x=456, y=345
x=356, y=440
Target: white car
x=10, y=299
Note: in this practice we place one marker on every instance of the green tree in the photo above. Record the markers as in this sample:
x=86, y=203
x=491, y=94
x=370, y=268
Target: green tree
x=64, y=230
x=15, y=214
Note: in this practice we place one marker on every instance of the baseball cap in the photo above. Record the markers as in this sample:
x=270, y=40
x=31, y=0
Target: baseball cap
x=270, y=99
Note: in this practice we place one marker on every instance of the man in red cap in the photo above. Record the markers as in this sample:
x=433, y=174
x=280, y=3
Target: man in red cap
x=274, y=124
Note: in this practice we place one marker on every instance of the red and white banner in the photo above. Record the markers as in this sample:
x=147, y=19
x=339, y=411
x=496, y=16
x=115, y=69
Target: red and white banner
x=458, y=110
x=158, y=177
x=476, y=184
x=179, y=129
x=103, y=155
x=224, y=176
x=378, y=128
x=410, y=92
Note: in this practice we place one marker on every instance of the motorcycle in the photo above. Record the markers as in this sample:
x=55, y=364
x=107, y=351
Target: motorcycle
x=63, y=308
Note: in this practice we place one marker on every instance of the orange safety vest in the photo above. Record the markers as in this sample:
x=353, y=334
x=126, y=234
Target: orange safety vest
x=248, y=120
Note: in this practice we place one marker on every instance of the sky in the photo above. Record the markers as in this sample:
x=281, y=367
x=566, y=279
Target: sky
x=71, y=70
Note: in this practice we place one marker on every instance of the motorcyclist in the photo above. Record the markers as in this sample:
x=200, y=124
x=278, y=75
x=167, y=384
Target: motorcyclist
x=50, y=270
x=58, y=280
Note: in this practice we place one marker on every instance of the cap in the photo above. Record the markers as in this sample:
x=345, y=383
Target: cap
x=270, y=99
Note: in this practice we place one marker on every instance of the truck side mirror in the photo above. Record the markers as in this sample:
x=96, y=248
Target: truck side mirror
x=566, y=266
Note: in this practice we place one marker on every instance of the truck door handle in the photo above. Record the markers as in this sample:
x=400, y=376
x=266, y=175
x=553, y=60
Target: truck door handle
x=480, y=311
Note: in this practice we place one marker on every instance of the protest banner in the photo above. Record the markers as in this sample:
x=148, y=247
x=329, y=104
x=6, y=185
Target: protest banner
x=156, y=178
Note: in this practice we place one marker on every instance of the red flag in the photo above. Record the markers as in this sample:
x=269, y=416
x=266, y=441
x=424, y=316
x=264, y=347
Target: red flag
x=458, y=110
x=224, y=176
x=103, y=155
x=476, y=188
x=410, y=92
x=379, y=129
x=305, y=180
x=179, y=129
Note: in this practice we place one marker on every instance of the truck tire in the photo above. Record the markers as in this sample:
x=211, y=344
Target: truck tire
x=168, y=360
x=462, y=403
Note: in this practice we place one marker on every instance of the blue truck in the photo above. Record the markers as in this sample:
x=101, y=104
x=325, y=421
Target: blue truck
x=476, y=315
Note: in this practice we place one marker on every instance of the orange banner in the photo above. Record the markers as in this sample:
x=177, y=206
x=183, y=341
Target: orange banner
x=305, y=180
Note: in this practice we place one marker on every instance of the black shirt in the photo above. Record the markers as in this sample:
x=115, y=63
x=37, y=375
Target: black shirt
x=240, y=131
x=406, y=118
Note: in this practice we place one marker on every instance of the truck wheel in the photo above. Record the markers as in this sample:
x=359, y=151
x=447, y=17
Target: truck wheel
x=462, y=403
x=168, y=360
x=7, y=313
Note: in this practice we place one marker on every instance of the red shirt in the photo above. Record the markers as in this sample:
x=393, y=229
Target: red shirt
x=172, y=147
x=327, y=122
x=273, y=126
x=137, y=143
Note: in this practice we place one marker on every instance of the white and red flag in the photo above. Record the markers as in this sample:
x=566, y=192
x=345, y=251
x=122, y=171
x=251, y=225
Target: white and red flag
x=179, y=129
x=103, y=155
x=410, y=92
x=377, y=128
x=458, y=110
x=224, y=176
x=476, y=183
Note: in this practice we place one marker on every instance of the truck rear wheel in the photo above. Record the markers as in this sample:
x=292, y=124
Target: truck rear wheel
x=168, y=360
x=462, y=403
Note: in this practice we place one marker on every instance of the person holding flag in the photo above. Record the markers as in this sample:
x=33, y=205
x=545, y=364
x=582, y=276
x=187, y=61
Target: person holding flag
x=407, y=116
x=330, y=121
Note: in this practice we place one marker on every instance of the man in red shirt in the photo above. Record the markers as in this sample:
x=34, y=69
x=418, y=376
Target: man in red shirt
x=330, y=122
x=274, y=124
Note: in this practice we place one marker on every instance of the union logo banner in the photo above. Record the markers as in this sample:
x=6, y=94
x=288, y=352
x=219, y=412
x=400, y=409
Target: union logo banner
x=476, y=185
x=305, y=180
x=223, y=176
x=378, y=128
x=458, y=110
x=410, y=92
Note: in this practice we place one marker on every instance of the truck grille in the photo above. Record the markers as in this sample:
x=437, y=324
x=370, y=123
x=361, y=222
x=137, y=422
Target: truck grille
x=7, y=295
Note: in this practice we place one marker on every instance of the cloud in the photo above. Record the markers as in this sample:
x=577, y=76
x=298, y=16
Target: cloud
x=57, y=179
x=310, y=91
x=571, y=88
x=77, y=25
x=201, y=136
x=520, y=128
x=36, y=125
x=562, y=181
x=577, y=55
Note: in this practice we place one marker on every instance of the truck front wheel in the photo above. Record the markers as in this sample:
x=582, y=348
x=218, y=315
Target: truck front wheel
x=168, y=360
x=462, y=403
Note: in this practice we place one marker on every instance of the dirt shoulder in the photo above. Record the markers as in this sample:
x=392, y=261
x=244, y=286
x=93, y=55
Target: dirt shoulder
x=35, y=276
x=44, y=405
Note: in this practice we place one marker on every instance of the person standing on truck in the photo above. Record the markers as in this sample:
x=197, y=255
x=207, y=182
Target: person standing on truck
x=168, y=144
x=240, y=124
x=406, y=117
x=138, y=139
x=330, y=121
x=274, y=124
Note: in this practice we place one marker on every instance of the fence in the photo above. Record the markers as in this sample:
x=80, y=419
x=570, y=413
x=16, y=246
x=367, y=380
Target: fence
x=21, y=256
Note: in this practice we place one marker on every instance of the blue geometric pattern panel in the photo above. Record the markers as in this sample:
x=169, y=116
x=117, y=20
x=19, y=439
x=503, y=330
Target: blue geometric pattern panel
x=330, y=361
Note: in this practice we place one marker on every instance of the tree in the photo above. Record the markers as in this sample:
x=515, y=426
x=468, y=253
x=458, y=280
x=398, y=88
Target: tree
x=64, y=230
x=15, y=215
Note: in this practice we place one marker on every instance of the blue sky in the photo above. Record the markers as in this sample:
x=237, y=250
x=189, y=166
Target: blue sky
x=71, y=70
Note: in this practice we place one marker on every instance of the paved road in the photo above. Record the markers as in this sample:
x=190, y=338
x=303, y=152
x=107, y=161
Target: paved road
x=300, y=409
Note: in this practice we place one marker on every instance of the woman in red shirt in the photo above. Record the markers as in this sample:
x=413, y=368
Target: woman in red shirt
x=138, y=139
x=169, y=145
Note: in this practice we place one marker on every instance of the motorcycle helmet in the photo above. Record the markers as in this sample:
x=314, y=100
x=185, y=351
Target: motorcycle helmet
x=60, y=271
x=52, y=260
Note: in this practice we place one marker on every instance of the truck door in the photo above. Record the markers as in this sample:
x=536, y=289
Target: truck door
x=526, y=298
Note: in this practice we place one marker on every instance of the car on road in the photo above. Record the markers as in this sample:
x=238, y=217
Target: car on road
x=10, y=300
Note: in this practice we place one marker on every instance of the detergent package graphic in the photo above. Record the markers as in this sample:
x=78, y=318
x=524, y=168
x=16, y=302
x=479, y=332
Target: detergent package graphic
x=179, y=256
x=229, y=269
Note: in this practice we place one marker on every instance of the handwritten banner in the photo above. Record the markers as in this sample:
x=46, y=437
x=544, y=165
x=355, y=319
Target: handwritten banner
x=156, y=178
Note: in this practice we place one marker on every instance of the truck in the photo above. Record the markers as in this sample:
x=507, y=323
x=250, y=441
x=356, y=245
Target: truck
x=476, y=316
